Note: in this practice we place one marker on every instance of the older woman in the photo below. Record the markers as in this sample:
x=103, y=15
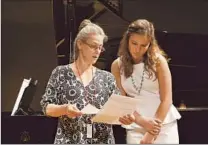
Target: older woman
x=74, y=86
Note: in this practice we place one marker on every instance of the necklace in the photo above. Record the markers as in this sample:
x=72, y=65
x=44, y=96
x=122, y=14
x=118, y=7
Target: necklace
x=138, y=89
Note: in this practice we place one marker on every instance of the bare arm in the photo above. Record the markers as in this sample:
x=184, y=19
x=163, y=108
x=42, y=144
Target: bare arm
x=115, y=70
x=165, y=88
x=59, y=110
x=50, y=102
x=54, y=110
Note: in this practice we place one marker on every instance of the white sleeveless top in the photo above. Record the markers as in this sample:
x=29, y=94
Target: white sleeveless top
x=149, y=95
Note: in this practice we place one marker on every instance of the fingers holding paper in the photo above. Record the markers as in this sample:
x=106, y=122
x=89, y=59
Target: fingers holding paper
x=127, y=119
x=72, y=111
x=115, y=110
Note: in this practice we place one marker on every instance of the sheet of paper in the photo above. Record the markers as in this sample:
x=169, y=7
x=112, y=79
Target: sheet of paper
x=89, y=109
x=116, y=106
x=25, y=84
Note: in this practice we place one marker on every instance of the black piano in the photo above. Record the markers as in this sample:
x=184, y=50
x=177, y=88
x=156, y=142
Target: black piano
x=27, y=129
x=41, y=129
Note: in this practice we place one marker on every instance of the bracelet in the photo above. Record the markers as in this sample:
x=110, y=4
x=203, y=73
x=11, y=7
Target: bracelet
x=151, y=133
x=158, y=120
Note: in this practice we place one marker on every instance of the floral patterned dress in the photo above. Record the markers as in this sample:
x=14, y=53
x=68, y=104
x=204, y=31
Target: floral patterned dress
x=64, y=87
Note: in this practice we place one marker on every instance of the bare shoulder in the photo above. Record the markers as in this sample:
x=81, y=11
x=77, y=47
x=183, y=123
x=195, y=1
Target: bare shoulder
x=162, y=60
x=162, y=66
x=115, y=65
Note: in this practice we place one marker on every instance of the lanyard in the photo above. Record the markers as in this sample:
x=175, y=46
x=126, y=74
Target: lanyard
x=85, y=91
x=89, y=126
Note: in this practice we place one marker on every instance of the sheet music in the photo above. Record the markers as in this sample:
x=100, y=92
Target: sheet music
x=25, y=84
x=89, y=109
x=116, y=106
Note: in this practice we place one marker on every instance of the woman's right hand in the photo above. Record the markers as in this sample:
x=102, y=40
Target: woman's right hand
x=72, y=111
x=151, y=125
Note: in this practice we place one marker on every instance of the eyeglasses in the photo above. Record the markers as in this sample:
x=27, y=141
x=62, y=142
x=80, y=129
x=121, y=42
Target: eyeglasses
x=95, y=47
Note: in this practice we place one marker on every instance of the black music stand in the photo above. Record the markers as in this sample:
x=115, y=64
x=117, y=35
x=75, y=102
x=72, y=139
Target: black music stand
x=25, y=97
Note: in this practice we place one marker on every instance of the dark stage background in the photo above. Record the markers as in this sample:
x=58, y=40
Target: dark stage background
x=37, y=35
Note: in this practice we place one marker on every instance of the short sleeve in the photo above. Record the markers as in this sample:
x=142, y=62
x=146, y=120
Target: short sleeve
x=50, y=95
x=113, y=89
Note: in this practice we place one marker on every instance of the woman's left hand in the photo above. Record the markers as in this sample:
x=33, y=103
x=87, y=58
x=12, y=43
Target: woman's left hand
x=127, y=119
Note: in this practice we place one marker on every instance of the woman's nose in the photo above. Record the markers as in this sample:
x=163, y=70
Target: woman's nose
x=97, y=51
x=137, y=48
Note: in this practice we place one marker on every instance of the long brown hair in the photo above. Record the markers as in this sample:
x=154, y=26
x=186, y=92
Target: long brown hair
x=146, y=28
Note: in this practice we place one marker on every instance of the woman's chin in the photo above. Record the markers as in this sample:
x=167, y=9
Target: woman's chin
x=94, y=60
x=137, y=59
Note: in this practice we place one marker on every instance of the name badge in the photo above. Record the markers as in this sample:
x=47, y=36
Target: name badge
x=89, y=130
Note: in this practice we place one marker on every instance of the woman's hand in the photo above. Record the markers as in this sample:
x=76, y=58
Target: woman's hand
x=72, y=111
x=153, y=126
x=127, y=119
x=148, y=139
